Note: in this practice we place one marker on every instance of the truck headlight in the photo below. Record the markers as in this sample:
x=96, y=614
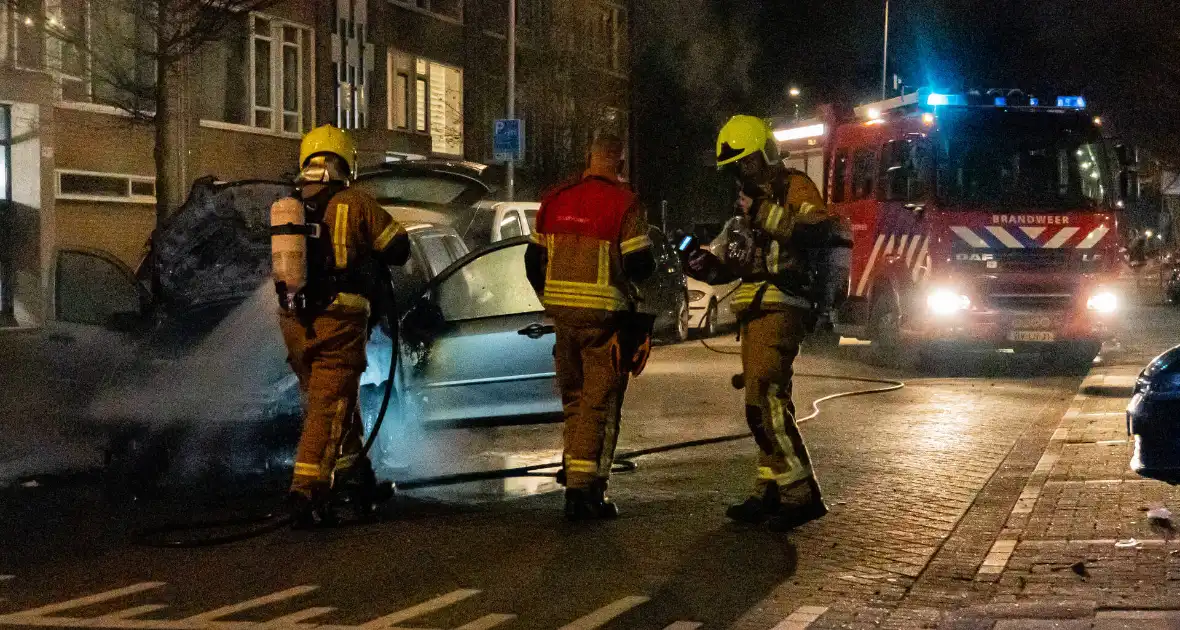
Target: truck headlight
x=696, y=296
x=1103, y=302
x=947, y=302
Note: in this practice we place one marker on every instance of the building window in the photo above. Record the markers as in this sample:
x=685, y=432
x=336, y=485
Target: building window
x=437, y=98
x=603, y=37
x=27, y=26
x=450, y=9
x=97, y=56
x=89, y=186
x=259, y=74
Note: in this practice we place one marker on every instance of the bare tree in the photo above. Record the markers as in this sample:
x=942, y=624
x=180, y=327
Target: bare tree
x=130, y=53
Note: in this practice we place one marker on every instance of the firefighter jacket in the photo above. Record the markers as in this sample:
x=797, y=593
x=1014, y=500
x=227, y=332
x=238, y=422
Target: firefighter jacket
x=590, y=244
x=784, y=219
x=357, y=232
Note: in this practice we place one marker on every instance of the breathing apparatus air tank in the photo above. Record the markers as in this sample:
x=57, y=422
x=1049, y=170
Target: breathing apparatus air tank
x=288, y=248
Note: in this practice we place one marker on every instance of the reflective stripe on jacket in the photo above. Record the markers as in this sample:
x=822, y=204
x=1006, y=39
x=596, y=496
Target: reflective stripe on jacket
x=586, y=229
x=358, y=227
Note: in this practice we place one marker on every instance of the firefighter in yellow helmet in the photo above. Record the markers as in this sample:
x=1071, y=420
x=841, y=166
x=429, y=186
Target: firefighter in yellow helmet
x=590, y=245
x=332, y=248
x=782, y=218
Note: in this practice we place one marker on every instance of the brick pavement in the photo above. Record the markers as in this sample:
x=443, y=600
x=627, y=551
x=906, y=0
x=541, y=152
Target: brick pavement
x=1045, y=541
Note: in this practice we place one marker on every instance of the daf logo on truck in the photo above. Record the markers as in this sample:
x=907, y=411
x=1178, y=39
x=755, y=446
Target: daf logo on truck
x=975, y=257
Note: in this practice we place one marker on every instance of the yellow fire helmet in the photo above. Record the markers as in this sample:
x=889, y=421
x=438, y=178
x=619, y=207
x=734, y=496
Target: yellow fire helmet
x=745, y=135
x=329, y=139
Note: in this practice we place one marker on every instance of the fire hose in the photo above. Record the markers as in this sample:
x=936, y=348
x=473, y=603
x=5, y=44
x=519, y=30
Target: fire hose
x=255, y=526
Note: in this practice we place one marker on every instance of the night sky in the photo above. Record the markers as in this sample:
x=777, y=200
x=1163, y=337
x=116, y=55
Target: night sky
x=721, y=57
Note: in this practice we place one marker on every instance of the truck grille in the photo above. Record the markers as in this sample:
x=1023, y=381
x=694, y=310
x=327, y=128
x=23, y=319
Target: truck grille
x=1031, y=302
x=1034, y=260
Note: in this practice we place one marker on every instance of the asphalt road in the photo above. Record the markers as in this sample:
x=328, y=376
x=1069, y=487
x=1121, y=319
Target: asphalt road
x=900, y=471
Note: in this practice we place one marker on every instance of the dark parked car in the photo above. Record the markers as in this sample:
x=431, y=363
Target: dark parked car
x=1153, y=419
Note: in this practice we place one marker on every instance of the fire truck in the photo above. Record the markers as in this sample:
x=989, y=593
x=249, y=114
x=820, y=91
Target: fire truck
x=979, y=221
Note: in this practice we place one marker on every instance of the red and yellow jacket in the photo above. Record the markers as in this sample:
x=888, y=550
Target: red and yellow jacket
x=591, y=241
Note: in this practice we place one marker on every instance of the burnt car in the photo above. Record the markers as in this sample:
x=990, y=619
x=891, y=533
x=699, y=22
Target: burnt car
x=210, y=377
x=1153, y=419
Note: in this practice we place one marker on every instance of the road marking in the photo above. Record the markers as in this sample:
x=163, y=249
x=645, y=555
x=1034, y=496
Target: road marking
x=80, y=602
x=603, y=615
x=127, y=614
x=803, y=617
x=226, y=611
x=684, y=625
x=293, y=620
x=429, y=606
x=488, y=621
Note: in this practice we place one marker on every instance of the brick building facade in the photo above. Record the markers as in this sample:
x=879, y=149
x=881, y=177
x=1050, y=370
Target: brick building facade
x=421, y=77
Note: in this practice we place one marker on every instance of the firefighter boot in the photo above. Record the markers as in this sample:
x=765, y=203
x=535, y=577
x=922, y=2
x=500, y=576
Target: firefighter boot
x=309, y=512
x=793, y=516
x=589, y=504
x=755, y=510
x=363, y=494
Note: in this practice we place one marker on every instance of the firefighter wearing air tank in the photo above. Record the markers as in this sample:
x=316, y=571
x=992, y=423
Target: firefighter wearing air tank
x=591, y=244
x=330, y=243
x=767, y=245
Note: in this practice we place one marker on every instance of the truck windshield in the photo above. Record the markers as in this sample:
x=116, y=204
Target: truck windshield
x=1022, y=159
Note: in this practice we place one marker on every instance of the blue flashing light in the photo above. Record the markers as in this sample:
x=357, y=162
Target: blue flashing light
x=1073, y=102
x=1034, y=101
x=1001, y=101
x=938, y=100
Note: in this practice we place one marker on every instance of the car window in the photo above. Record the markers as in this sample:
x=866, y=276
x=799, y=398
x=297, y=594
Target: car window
x=409, y=189
x=90, y=289
x=479, y=232
x=530, y=215
x=455, y=247
x=435, y=252
x=510, y=226
x=492, y=285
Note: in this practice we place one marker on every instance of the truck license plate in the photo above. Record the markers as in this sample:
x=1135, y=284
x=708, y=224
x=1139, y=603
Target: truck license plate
x=1032, y=335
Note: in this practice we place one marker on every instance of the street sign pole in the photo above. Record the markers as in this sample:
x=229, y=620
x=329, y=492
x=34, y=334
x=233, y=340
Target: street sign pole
x=510, y=173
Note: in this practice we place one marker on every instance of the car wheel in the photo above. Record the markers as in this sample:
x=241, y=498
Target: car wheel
x=712, y=326
x=682, y=327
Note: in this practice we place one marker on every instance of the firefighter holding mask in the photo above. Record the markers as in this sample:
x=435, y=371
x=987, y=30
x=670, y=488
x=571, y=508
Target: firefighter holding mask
x=781, y=218
x=328, y=243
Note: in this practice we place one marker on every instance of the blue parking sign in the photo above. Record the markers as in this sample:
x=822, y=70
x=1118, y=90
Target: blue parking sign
x=508, y=140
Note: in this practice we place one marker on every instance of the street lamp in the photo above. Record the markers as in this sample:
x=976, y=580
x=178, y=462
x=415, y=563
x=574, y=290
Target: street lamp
x=885, y=55
x=795, y=93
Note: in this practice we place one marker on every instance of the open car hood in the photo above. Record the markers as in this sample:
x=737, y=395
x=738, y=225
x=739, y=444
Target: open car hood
x=215, y=247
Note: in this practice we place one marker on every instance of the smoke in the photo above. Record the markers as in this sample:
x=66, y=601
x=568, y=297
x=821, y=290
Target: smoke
x=700, y=46
x=236, y=372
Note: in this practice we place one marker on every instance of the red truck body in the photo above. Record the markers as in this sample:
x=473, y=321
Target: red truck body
x=974, y=225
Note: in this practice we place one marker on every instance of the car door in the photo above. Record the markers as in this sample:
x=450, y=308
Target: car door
x=477, y=346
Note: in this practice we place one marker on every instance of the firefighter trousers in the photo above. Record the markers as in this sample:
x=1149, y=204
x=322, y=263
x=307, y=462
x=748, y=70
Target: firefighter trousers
x=770, y=343
x=592, y=377
x=329, y=358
